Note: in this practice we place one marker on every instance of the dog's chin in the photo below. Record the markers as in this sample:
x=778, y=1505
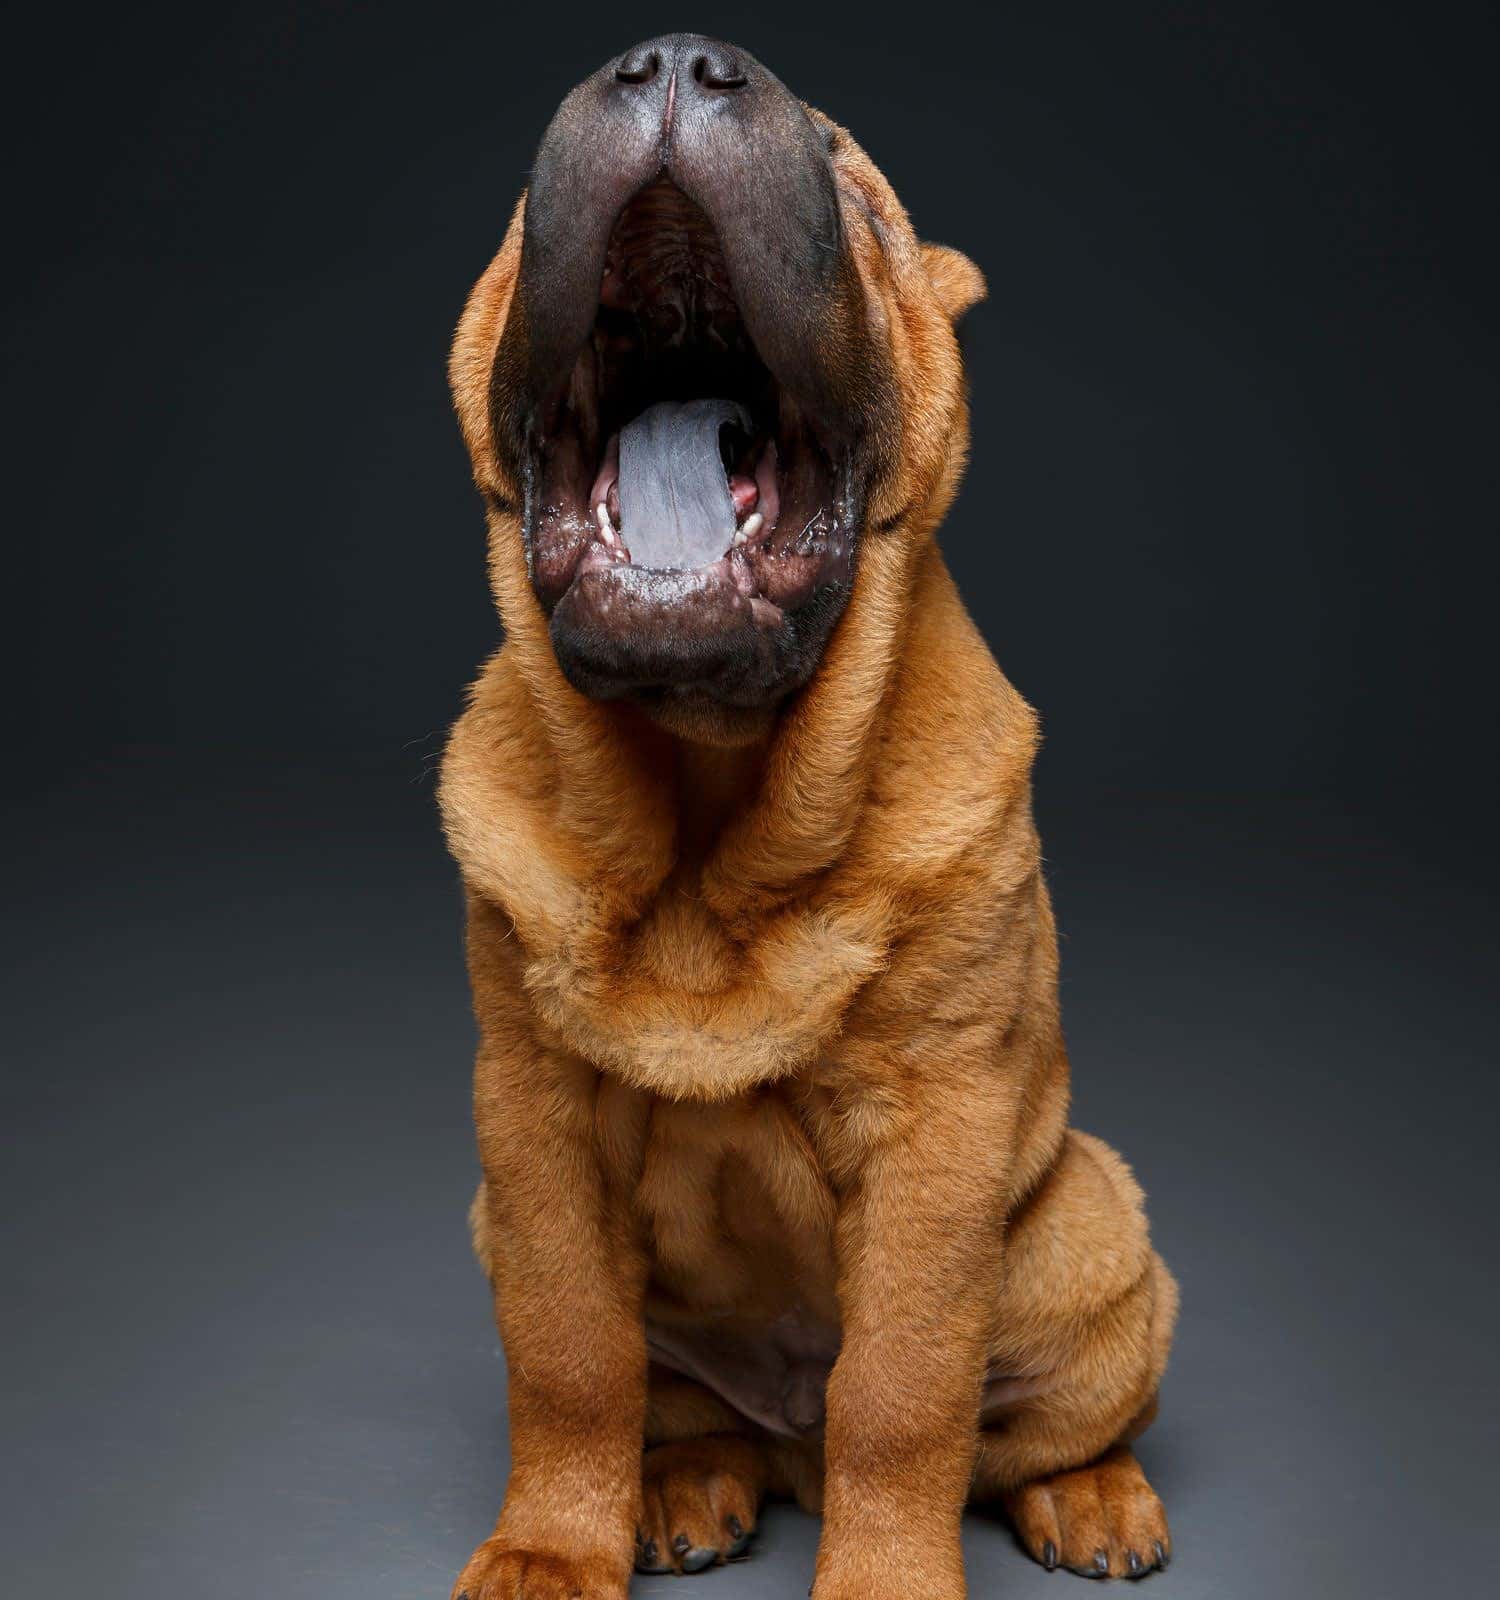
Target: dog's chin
x=698, y=718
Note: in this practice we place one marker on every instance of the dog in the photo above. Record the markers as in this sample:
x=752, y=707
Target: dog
x=779, y=1195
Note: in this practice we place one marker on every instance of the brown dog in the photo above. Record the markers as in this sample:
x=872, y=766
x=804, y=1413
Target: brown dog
x=771, y=1090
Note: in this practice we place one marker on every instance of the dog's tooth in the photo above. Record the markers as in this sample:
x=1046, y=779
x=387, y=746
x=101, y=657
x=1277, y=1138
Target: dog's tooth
x=752, y=526
x=606, y=527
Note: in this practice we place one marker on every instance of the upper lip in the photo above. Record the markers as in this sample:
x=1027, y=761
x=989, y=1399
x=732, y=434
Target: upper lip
x=771, y=200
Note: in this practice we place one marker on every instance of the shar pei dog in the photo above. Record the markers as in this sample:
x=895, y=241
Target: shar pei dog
x=780, y=1196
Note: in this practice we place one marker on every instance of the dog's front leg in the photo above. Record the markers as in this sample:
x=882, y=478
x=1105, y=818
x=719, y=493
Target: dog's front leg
x=919, y=1254
x=568, y=1280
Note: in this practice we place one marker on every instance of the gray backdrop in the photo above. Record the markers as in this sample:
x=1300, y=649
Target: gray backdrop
x=1230, y=525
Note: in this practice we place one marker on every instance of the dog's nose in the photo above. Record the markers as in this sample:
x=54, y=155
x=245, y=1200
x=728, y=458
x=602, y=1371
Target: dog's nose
x=715, y=68
x=701, y=66
x=640, y=63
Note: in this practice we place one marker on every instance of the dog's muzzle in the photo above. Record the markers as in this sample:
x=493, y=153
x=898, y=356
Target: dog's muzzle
x=685, y=381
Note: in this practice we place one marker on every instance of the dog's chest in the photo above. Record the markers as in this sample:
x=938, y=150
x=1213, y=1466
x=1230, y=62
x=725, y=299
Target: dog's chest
x=736, y=1207
x=675, y=1006
x=739, y=1218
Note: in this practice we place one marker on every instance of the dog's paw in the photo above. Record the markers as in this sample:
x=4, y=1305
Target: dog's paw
x=499, y=1571
x=1100, y=1521
x=699, y=1501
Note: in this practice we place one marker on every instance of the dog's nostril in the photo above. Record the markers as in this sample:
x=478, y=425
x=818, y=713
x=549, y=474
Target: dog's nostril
x=722, y=72
x=638, y=66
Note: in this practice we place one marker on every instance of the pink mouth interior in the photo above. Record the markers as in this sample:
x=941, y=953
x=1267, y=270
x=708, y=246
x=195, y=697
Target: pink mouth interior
x=673, y=463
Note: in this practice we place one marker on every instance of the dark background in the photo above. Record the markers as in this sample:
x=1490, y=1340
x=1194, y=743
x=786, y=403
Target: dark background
x=1230, y=524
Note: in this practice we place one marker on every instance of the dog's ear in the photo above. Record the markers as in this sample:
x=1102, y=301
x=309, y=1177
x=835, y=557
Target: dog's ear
x=959, y=283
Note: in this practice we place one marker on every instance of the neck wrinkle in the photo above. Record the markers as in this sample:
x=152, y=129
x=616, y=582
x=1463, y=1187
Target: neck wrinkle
x=618, y=796
x=613, y=780
x=819, y=764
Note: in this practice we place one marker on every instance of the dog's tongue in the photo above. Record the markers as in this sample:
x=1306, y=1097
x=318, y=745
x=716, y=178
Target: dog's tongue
x=675, y=509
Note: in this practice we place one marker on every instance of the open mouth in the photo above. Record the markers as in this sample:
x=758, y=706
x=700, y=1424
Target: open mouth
x=687, y=383
x=674, y=468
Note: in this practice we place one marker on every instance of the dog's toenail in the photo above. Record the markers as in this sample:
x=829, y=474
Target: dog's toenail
x=681, y=1545
x=696, y=1560
x=1162, y=1558
x=736, y=1527
x=650, y=1551
x=1134, y=1562
x=1049, y=1556
x=1101, y=1563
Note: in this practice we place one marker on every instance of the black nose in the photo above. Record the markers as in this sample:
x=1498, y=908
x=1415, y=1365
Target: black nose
x=640, y=63
x=706, y=65
x=716, y=66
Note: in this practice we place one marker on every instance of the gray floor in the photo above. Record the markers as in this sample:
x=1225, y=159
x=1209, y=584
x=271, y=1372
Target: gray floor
x=247, y=1353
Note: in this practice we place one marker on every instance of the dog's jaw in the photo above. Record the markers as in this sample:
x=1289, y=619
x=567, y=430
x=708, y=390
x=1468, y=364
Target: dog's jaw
x=825, y=316
x=686, y=296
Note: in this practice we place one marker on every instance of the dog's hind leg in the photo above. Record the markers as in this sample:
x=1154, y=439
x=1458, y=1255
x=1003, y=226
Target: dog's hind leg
x=703, y=1477
x=705, y=1474
x=1072, y=1504
x=1090, y=1308
x=700, y=1500
x=1102, y=1520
